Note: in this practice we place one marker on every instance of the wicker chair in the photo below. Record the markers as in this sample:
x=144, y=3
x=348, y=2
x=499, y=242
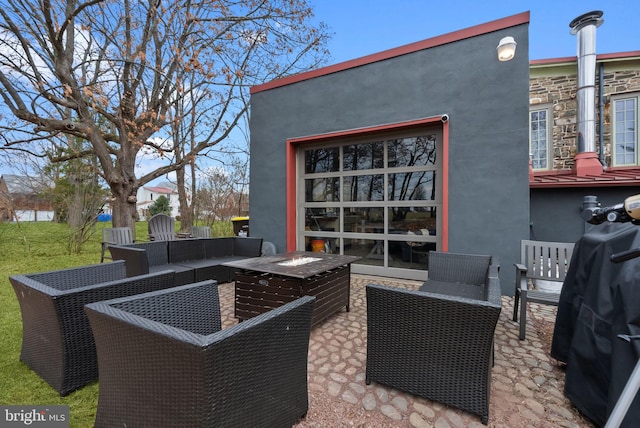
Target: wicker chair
x=164, y=362
x=161, y=228
x=56, y=337
x=437, y=344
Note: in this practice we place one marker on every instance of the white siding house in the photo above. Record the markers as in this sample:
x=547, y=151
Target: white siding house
x=147, y=195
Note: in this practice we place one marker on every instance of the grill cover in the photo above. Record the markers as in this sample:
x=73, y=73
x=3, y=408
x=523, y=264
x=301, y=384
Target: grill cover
x=599, y=301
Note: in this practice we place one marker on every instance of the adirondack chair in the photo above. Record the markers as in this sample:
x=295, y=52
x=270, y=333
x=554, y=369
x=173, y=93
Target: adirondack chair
x=115, y=236
x=161, y=228
x=201, y=232
x=539, y=261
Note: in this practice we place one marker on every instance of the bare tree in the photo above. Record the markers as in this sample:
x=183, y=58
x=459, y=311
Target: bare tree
x=110, y=71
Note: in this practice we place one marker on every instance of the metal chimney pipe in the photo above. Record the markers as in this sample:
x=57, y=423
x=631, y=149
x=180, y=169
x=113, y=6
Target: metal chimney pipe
x=584, y=27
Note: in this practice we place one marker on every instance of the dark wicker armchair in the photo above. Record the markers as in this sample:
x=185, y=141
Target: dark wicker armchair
x=164, y=362
x=437, y=344
x=56, y=337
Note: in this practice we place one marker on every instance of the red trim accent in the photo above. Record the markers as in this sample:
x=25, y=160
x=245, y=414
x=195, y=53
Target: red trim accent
x=291, y=175
x=499, y=24
x=587, y=164
x=291, y=188
x=563, y=178
x=600, y=57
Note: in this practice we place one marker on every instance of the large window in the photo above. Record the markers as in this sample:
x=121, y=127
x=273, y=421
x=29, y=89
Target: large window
x=375, y=197
x=540, y=121
x=624, y=130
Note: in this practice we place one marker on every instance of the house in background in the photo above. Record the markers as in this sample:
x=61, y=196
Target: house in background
x=21, y=199
x=147, y=195
x=565, y=170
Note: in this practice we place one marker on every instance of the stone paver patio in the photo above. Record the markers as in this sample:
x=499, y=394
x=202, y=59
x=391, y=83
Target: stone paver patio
x=526, y=389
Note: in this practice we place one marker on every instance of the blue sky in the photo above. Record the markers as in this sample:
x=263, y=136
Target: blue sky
x=363, y=27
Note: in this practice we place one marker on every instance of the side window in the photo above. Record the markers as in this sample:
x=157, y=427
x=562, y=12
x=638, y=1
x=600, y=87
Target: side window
x=540, y=121
x=624, y=130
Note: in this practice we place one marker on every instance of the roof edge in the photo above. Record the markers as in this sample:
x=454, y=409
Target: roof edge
x=477, y=30
x=574, y=59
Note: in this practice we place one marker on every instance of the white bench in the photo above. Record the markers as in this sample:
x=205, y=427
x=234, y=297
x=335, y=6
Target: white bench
x=539, y=261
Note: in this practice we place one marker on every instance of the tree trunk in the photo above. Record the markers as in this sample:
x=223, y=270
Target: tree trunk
x=123, y=206
x=186, y=214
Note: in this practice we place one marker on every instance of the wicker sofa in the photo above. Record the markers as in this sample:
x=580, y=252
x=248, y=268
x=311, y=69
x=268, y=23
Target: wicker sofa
x=437, y=342
x=192, y=260
x=56, y=337
x=164, y=362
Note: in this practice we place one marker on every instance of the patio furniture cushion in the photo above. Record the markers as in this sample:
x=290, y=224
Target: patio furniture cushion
x=165, y=362
x=56, y=337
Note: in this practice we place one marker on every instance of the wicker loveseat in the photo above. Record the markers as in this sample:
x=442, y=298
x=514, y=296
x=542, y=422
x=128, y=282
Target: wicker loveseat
x=438, y=342
x=56, y=337
x=164, y=362
x=192, y=259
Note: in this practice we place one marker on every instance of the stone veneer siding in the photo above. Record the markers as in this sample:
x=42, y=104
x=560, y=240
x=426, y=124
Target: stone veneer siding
x=560, y=92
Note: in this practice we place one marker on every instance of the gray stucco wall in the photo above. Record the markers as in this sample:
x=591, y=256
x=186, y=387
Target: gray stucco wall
x=556, y=214
x=487, y=102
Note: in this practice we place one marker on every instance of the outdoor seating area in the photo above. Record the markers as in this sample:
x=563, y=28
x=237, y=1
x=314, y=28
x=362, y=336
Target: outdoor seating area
x=56, y=338
x=193, y=260
x=539, y=276
x=441, y=356
x=165, y=362
x=437, y=341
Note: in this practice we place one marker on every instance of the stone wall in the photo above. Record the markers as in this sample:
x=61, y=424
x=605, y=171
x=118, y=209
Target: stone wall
x=559, y=91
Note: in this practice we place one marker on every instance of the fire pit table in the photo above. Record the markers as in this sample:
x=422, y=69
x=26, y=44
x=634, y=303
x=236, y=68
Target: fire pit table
x=265, y=283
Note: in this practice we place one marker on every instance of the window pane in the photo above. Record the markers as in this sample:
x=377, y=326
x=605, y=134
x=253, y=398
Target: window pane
x=324, y=219
x=418, y=220
x=412, y=186
x=412, y=151
x=538, y=140
x=322, y=160
x=625, y=135
x=364, y=188
x=410, y=255
x=364, y=219
x=364, y=156
x=322, y=189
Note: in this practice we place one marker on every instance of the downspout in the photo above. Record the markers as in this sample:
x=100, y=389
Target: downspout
x=601, y=113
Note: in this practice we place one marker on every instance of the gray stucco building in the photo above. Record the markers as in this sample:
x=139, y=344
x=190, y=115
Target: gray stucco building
x=387, y=156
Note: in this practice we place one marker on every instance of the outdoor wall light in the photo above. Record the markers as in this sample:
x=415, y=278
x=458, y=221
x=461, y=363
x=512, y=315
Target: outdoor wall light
x=506, y=48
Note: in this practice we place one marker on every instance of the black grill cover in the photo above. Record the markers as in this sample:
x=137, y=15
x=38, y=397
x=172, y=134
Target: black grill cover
x=599, y=301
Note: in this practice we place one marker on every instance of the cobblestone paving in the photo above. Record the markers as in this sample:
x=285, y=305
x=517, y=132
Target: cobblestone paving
x=524, y=375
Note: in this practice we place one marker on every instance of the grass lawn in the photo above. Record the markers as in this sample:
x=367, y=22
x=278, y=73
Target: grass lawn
x=37, y=247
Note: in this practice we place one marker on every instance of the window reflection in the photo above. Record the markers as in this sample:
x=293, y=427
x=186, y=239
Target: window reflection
x=412, y=151
x=322, y=160
x=412, y=186
x=342, y=182
x=364, y=156
x=419, y=220
x=322, y=189
x=363, y=188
